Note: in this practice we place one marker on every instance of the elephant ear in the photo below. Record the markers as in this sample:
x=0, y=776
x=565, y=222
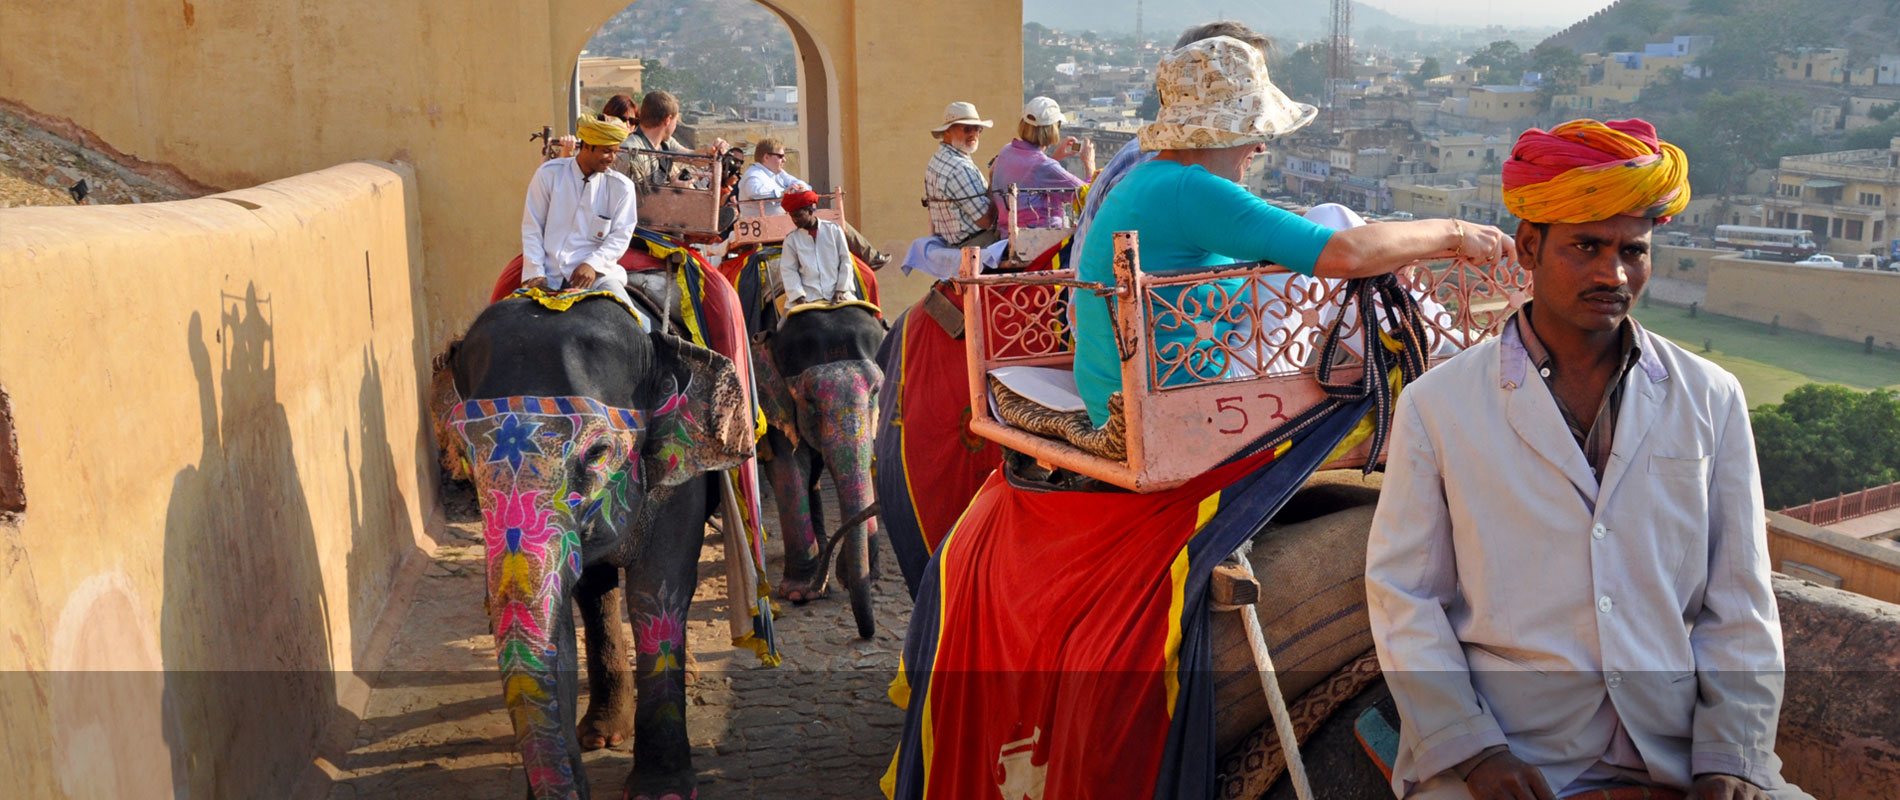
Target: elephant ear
x=701, y=420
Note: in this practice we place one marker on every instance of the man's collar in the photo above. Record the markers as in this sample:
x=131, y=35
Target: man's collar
x=1520, y=348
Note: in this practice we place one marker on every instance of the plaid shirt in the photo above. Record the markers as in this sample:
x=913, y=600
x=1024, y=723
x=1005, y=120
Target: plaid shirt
x=957, y=195
x=1597, y=439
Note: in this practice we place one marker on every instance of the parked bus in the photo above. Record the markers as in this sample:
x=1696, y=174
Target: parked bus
x=1789, y=243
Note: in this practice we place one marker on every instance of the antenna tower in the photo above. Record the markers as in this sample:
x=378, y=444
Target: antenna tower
x=1137, y=28
x=1339, y=64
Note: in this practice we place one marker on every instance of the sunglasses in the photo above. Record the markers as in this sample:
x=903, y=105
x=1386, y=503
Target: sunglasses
x=780, y=154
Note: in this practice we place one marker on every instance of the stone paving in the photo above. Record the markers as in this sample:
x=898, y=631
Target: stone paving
x=819, y=726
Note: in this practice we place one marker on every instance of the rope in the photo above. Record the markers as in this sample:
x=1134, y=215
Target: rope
x=1276, y=702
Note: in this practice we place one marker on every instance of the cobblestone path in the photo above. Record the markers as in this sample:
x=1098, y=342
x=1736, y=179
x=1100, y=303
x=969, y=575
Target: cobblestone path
x=818, y=727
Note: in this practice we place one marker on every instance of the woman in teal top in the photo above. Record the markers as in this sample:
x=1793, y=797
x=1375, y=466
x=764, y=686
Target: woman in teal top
x=1218, y=108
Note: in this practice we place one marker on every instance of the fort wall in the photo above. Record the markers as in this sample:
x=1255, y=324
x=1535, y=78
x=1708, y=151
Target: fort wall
x=226, y=480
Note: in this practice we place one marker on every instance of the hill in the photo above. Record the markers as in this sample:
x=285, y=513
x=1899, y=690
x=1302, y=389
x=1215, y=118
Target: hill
x=1867, y=28
x=1281, y=19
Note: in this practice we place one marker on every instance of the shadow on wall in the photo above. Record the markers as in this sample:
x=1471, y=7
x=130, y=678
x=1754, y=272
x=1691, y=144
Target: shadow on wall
x=244, y=628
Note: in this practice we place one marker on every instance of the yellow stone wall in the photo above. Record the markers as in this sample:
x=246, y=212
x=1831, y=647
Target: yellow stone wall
x=217, y=404
x=1849, y=304
x=235, y=94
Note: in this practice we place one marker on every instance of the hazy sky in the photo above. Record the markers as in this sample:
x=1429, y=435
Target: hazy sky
x=1483, y=12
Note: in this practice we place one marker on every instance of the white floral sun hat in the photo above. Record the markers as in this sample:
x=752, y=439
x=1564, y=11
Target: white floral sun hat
x=1216, y=93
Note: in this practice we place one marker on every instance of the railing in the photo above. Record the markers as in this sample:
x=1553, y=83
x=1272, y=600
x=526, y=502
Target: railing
x=1026, y=244
x=1210, y=360
x=1847, y=506
x=683, y=210
x=765, y=221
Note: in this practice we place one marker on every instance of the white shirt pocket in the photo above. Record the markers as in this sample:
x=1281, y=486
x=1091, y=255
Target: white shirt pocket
x=601, y=225
x=1671, y=466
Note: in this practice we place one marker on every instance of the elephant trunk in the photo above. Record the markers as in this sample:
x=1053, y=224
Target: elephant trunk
x=530, y=583
x=838, y=410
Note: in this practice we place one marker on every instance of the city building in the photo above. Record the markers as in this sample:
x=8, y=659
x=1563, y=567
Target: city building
x=618, y=74
x=777, y=104
x=1502, y=103
x=1849, y=199
x=1816, y=64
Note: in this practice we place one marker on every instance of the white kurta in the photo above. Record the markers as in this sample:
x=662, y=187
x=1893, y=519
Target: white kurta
x=1512, y=597
x=568, y=221
x=759, y=183
x=817, y=268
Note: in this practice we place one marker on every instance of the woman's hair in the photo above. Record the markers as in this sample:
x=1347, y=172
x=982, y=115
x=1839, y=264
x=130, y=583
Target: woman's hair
x=1231, y=28
x=657, y=106
x=1038, y=135
x=769, y=144
x=619, y=106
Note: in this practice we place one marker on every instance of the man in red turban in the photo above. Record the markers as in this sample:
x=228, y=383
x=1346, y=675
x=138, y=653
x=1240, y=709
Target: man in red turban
x=1567, y=575
x=815, y=264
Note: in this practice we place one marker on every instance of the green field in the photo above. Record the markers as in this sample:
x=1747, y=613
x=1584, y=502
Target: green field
x=1770, y=364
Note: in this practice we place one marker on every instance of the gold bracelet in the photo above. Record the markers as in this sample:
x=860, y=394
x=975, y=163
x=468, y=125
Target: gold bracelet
x=1458, y=230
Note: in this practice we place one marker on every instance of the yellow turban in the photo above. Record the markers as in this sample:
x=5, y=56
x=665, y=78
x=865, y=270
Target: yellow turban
x=1587, y=171
x=599, y=132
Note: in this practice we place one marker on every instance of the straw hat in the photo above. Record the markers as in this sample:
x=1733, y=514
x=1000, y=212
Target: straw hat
x=959, y=113
x=1216, y=93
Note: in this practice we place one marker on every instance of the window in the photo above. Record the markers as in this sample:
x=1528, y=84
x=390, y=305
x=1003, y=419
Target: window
x=1871, y=199
x=1854, y=229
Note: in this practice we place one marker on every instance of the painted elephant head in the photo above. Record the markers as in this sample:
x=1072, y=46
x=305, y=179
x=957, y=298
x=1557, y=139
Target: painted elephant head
x=572, y=430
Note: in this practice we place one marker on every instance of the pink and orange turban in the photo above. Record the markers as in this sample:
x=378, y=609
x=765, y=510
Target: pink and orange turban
x=1587, y=171
x=794, y=201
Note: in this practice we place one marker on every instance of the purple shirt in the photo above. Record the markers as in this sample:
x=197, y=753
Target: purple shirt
x=1028, y=167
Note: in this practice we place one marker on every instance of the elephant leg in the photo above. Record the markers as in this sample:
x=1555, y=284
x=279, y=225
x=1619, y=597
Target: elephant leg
x=609, y=717
x=659, y=589
x=791, y=491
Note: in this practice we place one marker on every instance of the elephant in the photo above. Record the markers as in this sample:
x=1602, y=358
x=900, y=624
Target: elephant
x=818, y=384
x=590, y=442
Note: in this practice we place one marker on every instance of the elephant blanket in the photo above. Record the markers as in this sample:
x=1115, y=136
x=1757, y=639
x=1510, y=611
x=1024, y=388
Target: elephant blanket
x=929, y=463
x=1059, y=646
x=712, y=316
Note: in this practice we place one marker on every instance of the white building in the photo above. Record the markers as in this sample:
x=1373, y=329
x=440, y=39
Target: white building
x=777, y=104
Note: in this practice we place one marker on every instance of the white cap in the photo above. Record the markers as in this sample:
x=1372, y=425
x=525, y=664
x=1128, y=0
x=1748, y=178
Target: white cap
x=1335, y=216
x=1040, y=111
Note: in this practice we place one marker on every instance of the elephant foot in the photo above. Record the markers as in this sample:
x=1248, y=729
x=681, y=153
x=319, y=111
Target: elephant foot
x=673, y=787
x=599, y=730
x=804, y=579
x=799, y=591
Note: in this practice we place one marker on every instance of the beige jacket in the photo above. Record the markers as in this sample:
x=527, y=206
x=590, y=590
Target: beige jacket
x=1511, y=596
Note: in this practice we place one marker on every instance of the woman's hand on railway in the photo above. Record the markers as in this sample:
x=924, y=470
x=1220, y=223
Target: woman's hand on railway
x=1482, y=244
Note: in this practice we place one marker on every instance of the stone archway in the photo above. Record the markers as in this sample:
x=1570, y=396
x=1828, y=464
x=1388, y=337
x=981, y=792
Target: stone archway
x=818, y=86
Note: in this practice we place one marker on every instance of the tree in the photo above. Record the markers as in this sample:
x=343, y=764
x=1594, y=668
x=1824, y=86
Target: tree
x=1618, y=43
x=1647, y=15
x=1427, y=70
x=1500, y=57
x=1732, y=135
x=1823, y=440
x=1561, y=68
x=1746, y=43
x=1303, y=74
x=1150, y=107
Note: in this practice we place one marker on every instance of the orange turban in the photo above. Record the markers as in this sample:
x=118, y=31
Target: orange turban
x=794, y=201
x=1587, y=171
